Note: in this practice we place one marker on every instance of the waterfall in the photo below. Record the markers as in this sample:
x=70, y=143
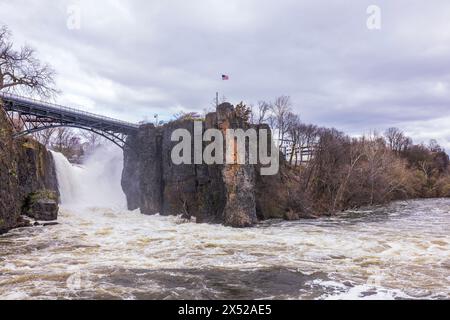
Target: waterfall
x=96, y=183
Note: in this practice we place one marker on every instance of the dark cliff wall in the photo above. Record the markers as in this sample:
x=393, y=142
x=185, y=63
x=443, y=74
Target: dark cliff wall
x=36, y=167
x=9, y=182
x=26, y=168
x=142, y=174
x=235, y=195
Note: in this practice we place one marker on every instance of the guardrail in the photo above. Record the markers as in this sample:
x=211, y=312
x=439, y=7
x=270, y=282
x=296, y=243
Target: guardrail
x=57, y=107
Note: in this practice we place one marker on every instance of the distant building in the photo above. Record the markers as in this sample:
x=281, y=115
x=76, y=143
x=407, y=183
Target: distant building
x=302, y=154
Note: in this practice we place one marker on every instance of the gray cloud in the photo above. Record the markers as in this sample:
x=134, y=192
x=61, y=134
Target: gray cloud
x=132, y=59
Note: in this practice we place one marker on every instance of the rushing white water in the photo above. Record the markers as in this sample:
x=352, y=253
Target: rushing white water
x=99, y=250
x=96, y=183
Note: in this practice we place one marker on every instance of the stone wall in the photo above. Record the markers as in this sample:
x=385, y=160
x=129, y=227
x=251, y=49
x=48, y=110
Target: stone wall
x=234, y=195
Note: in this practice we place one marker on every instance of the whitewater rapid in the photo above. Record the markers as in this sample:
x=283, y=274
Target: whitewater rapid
x=96, y=183
x=100, y=250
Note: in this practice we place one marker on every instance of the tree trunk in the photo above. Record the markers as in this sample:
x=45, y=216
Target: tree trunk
x=292, y=152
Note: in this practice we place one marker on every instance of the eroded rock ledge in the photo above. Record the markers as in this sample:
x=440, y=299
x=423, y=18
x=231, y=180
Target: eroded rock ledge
x=234, y=195
x=28, y=183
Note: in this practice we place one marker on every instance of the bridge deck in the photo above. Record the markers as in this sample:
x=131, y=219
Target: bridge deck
x=49, y=112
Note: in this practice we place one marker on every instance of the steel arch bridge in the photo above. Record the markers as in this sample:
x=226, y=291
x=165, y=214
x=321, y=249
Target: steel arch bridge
x=35, y=116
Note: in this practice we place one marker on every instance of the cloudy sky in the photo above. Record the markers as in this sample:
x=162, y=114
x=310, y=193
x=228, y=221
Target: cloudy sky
x=133, y=59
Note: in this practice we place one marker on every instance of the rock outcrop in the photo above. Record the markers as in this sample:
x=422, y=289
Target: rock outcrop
x=231, y=194
x=9, y=184
x=26, y=168
x=35, y=167
x=41, y=205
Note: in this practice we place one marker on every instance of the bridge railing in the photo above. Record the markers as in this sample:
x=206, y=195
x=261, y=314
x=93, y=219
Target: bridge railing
x=58, y=107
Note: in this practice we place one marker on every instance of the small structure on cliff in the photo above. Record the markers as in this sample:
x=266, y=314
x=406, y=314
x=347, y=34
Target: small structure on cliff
x=235, y=195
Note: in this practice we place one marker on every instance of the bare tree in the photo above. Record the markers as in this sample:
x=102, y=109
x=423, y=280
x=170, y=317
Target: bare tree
x=63, y=138
x=308, y=135
x=21, y=71
x=68, y=142
x=181, y=116
x=375, y=155
x=353, y=157
x=397, y=140
x=311, y=134
x=45, y=136
x=293, y=130
x=281, y=109
x=434, y=146
x=260, y=113
x=93, y=140
x=213, y=104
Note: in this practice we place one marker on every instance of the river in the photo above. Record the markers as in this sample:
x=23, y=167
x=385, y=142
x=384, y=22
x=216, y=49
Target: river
x=99, y=250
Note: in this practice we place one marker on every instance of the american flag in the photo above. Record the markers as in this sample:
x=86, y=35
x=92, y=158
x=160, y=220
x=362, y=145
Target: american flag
x=225, y=77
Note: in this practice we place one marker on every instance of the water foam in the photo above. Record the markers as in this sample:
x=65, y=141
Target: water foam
x=94, y=184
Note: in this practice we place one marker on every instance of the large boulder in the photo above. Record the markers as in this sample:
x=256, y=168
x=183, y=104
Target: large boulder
x=41, y=205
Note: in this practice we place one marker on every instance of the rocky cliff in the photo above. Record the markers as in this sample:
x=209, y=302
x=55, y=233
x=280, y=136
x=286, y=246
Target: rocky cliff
x=235, y=195
x=28, y=184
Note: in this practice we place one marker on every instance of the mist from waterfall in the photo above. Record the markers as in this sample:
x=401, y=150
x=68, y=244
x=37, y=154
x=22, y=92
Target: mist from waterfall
x=96, y=183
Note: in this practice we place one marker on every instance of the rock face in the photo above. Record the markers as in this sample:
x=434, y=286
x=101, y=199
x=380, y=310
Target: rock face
x=36, y=168
x=9, y=184
x=26, y=167
x=41, y=205
x=234, y=195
